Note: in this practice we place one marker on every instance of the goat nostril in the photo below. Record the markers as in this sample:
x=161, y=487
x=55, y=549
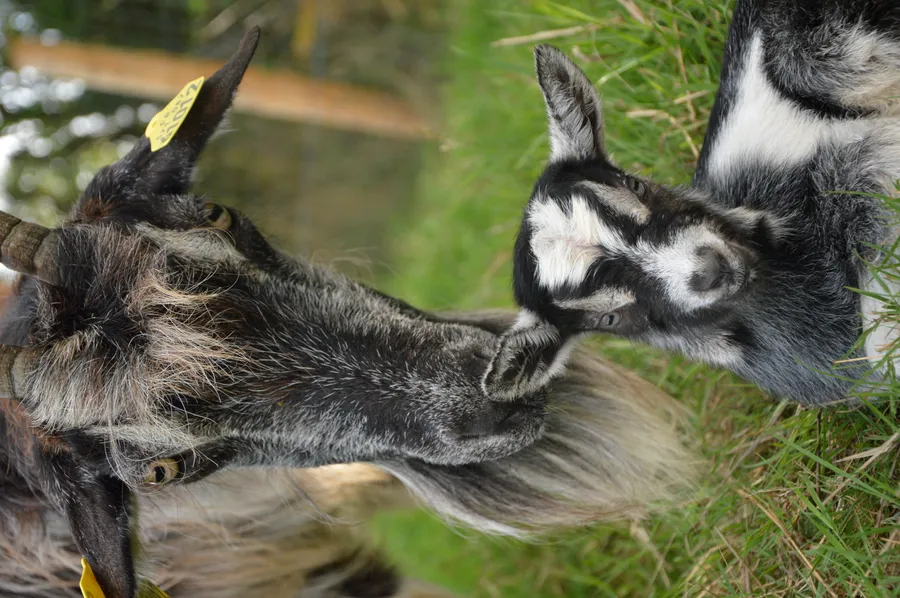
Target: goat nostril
x=712, y=272
x=499, y=419
x=508, y=416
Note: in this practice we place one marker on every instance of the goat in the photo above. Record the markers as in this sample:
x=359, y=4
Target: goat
x=161, y=357
x=753, y=265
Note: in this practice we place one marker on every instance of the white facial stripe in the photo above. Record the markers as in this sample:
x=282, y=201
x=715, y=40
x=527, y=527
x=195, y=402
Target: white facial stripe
x=604, y=300
x=565, y=245
x=619, y=199
x=675, y=263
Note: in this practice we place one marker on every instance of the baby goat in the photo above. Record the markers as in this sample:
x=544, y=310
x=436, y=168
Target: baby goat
x=751, y=267
x=162, y=357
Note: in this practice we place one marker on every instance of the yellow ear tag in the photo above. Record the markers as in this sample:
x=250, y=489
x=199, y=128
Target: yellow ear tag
x=91, y=589
x=89, y=586
x=165, y=124
x=148, y=590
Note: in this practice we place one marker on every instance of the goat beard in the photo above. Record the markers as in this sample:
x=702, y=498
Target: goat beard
x=615, y=447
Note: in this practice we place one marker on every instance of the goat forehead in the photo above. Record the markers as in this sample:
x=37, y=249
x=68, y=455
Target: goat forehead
x=567, y=237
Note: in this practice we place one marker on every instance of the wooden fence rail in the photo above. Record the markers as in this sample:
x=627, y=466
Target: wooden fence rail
x=278, y=94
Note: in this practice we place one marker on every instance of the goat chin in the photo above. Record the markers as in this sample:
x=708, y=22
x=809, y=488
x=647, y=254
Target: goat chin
x=615, y=447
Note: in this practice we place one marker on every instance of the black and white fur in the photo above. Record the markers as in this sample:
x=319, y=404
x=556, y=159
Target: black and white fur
x=165, y=359
x=750, y=267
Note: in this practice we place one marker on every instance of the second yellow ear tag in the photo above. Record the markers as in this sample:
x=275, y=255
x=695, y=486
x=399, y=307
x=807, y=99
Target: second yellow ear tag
x=89, y=586
x=91, y=589
x=165, y=124
x=149, y=590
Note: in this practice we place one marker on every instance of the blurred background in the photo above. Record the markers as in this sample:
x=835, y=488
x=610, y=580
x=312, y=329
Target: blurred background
x=322, y=164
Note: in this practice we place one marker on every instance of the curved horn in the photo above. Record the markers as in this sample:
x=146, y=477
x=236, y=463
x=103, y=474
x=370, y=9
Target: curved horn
x=28, y=248
x=15, y=364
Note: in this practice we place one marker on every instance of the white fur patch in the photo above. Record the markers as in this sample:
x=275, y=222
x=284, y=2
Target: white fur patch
x=526, y=319
x=675, y=263
x=566, y=244
x=763, y=126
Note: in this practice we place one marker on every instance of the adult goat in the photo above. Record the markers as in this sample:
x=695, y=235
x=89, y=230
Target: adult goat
x=162, y=357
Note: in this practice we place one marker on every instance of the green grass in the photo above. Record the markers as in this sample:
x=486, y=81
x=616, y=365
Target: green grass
x=789, y=507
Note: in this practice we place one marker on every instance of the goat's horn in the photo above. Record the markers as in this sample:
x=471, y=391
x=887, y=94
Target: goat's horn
x=28, y=248
x=15, y=364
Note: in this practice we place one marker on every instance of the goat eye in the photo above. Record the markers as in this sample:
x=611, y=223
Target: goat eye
x=610, y=320
x=637, y=187
x=161, y=472
x=217, y=216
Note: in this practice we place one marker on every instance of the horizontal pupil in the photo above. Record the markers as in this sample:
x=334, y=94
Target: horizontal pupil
x=214, y=213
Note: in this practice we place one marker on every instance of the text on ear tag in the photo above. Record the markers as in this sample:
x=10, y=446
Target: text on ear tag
x=165, y=124
x=88, y=584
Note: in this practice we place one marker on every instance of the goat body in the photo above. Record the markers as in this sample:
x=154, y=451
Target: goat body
x=163, y=358
x=750, y=267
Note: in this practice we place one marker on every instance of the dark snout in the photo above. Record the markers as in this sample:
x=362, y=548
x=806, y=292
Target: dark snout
x=503, y=418
x=519, y=415
x=721, y=270
x=712, y=271
x=490, y=430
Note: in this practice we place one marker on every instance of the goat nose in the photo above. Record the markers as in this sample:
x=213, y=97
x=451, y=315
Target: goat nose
x=711, y=272
x=499, y=418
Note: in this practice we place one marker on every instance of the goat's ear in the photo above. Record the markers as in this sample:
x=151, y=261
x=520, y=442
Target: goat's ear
x=573, y=106
x=99, y=510
x=169, y=170
x=528, y=356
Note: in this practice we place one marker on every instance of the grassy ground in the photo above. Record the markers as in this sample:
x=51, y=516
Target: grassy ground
x=797, y=502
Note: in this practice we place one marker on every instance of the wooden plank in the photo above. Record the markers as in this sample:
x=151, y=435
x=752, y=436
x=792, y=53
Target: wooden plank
x=278, y=94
